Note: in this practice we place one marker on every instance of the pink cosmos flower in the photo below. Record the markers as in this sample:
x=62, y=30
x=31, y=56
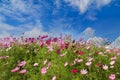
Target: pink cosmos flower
x=80, y=60
x=22, y=63
x=99, y=64
x=74, y=62
x=100, y=53
x=81, y=53
x=50, y=48
x=118, y=54
x=41, y=44
x=49, y=64
x=111, y=66
x=22, y=71
x=74, y=71
x=88, y=47
x=54, y=78
x=105, y=67
x=108, y=50
x=90, y=59
x=15, y=69
x=113, y=58
x=35, y=64
x=112, y=62
x=45, y=62
x=88, y=63
x=83, y=71
x=66, y=64
x=62, y=55
x=44, y=70
x=112, y=77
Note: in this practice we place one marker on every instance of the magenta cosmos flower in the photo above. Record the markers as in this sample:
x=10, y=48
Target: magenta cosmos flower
x=22, y=71
x=112, y=77
x=74, y=71
x=22, y=63
x=15, y=69
x=44, y=70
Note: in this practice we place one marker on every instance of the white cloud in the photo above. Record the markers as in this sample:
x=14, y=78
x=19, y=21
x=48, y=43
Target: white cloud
x=81, y=4
x=116, y=43
x=84, y=5
x=101, y=3
x=97, y=41
x=88, y=33
x=35, y=30
x=30, y=29
x=60, y=26
x=57, y=3
x=4, y=26
x=2, y=18
x=91, y=16
x=16, y=8
x=4, y=34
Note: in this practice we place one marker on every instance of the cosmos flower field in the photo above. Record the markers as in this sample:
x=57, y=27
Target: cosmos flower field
x=57, y=58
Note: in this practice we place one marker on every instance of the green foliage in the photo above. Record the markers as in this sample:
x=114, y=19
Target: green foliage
x=36, y=54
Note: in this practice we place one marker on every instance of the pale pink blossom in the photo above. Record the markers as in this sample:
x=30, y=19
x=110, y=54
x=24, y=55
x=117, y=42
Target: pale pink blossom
x=83, y=71
x=22, y=71
x=80, y=60
x=113, y=58
x=118, y=54
x=49, y=64
x=90, y=59
x=22, y=63
x=112, y=77
x=15, y=69
x=112, y=62
x=74, y=62
x=66, y=64
x=88, y=63
x=111, y=66
x=75, y=59
x=50, y=48
x=35, y=64
x=62, y=55
x=88, y=47
x=54, y=78
x=100, y=53
x=45, y=62
x=105, y=67
x=108, y=50
x=44, y=70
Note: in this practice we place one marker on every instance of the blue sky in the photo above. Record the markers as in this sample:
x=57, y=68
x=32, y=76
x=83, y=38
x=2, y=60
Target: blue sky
x=91, y=18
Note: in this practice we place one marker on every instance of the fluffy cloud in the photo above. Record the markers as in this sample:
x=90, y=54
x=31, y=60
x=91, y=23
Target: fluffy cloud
x=116, y=43
x=97, y=41
x=25, y=12
x=62, y=27
x=4, y=34
x=88, y=33
x=84, y=5
x=35, y=30
x=17, y=8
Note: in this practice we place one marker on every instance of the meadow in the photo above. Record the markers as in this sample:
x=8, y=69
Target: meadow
x=57, y=58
